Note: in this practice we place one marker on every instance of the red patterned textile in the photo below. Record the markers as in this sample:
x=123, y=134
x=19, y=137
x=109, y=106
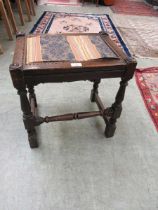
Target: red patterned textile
x=129, y=7
x=147, y=81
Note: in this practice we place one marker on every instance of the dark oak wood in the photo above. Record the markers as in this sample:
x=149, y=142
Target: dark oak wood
x=32, y=95
x=116, y=110
x=72, y=116
x=28, y=118
x=94, y=90
x=27, y=76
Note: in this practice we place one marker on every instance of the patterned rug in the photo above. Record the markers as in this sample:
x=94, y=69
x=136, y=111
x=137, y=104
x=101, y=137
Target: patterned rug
x=147, y=81
x=128, y=7
x=52, y=23
x=140, y=34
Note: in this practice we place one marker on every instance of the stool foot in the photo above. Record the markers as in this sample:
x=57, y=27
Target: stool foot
x=32, y=137
x=110, y=130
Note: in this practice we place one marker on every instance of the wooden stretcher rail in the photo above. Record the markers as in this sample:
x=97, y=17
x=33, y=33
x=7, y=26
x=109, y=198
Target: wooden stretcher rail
x=72, y=116
x=103, y=112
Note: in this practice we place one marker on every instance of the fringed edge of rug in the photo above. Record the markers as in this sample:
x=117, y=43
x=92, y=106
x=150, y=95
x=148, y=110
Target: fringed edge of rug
x=146, y=70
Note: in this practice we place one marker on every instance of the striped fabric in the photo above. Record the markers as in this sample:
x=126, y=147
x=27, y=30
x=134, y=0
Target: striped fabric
x=33, y=50
x=82, y=48
x=66, y=48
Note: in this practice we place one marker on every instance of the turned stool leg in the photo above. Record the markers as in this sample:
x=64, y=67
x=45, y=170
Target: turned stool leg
x=11, y=15
x=18, y=2
x=32, y=7
x=32, y=94
x=6, y=21
x=116, y=109
x=28, y=118
x=28, y=10
x=94, y=90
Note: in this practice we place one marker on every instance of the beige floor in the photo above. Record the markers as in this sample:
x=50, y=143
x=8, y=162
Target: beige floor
x=75, y=167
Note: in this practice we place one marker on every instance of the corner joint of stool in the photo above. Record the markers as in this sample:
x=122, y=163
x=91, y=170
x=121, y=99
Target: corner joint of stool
x=15, y=66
